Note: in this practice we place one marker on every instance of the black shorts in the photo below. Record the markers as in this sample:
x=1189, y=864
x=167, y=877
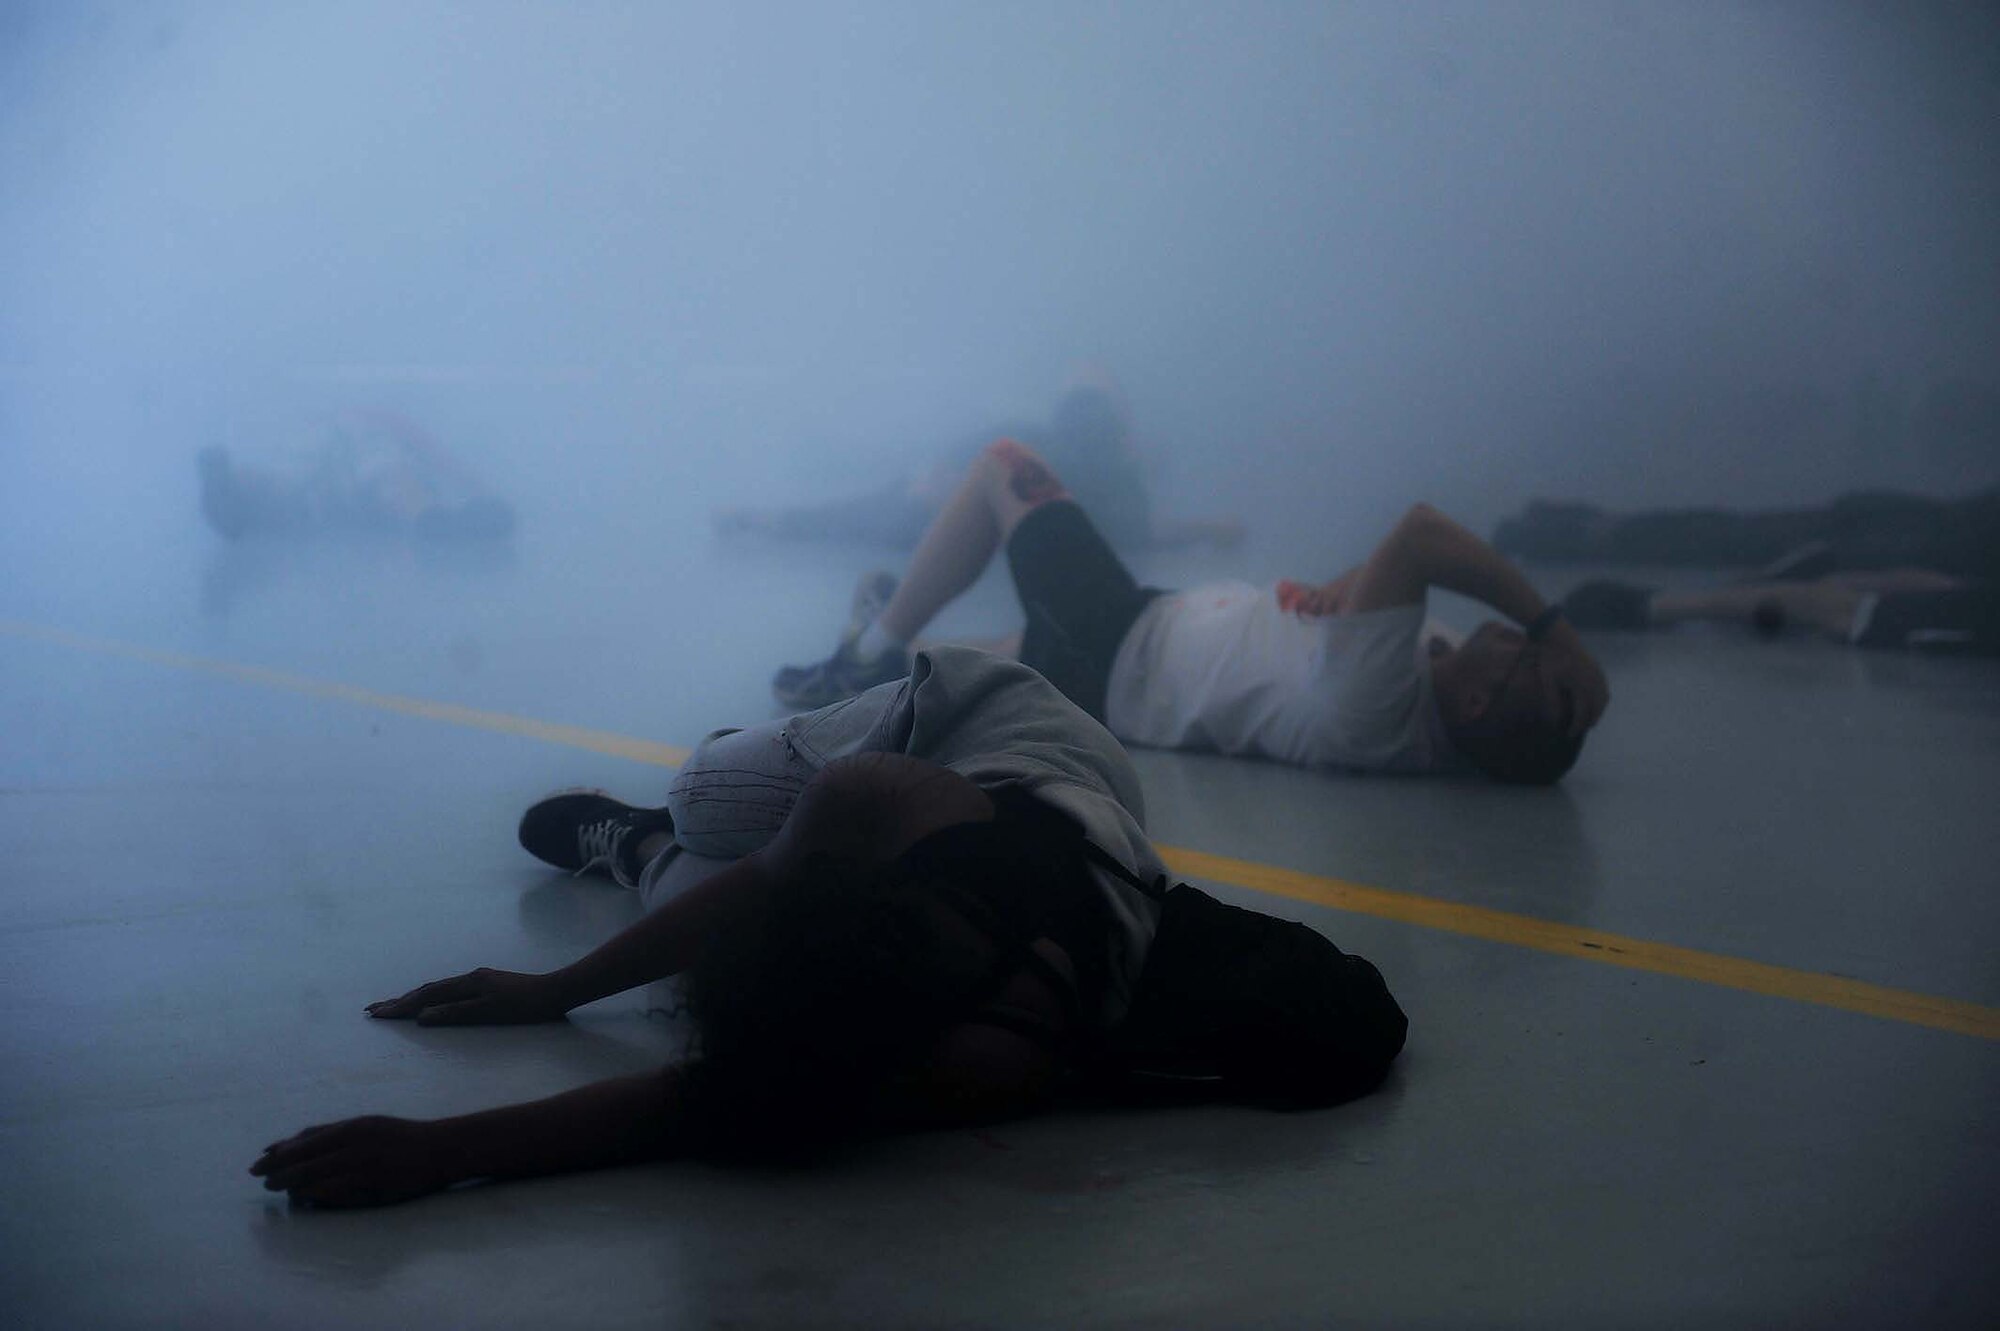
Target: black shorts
x=1080, y=601
x=1959, y=619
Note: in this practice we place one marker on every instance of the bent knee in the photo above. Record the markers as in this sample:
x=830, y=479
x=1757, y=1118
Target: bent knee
x=1021, y=472
x=1420, y=516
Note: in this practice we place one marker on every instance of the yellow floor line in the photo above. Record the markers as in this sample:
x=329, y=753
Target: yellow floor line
x=1834, y=991
x=1569, y=940
x=576, y=737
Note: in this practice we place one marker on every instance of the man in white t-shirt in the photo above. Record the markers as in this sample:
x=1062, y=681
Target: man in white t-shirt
x=1346, y=674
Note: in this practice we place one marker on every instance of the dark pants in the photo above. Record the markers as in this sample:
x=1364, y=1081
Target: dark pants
x=1080, y=601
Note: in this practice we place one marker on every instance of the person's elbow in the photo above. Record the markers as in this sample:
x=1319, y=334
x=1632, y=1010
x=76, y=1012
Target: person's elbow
x=1402, y=565
x=1421, y=521
x=1418, y=535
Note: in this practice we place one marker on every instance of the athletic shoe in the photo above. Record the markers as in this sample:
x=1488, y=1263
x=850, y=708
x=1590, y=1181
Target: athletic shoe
x=839, y=676
x=1609, y=605
x=845, y=673
x=585, y=830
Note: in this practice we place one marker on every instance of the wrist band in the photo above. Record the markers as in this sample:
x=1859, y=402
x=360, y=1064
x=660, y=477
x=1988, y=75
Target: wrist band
x=1538, y=627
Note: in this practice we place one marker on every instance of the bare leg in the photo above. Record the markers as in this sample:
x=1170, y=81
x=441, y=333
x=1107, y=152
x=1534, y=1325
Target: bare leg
x=1007, y=482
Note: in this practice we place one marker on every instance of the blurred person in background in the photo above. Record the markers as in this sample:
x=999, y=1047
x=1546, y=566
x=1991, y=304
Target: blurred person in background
x=366, y=471
x=1898, y=608
x=1869, y=530
x=1088, y=436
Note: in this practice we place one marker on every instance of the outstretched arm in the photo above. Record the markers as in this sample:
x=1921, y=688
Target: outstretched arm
x=663, y=943
x=976, y=1075
x=870, y=807
x=866, y=808
x=375, y=1161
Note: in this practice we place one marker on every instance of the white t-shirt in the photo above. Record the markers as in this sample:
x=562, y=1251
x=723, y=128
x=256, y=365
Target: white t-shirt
x=1225, y=667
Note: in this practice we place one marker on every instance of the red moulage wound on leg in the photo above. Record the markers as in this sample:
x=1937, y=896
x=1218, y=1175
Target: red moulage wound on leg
x=1027, y=475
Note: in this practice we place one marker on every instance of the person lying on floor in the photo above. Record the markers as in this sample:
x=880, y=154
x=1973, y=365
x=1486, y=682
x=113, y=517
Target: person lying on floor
x=1865, y=530
x=1911, y=608
x=364, y=471
x=932, y=905
x=1346, y=674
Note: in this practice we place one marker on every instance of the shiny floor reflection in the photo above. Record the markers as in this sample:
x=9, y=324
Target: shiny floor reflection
x=206, y=880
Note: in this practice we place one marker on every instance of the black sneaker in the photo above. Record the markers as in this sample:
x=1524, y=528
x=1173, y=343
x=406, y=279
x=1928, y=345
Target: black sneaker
x=845, y=674
x=841, y=675
x=582, y=830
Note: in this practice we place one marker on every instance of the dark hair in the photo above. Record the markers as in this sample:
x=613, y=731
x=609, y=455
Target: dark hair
x=810, y=999
x=1515, y=739
x=1524, y=747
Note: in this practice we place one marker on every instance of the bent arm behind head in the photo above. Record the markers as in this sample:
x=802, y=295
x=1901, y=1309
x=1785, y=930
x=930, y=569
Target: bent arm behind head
x=1427, y=549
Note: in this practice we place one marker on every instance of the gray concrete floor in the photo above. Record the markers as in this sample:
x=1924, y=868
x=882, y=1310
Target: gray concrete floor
x=207, y=878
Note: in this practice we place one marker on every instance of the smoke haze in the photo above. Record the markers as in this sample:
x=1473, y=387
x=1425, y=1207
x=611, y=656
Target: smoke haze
x=637, y=262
